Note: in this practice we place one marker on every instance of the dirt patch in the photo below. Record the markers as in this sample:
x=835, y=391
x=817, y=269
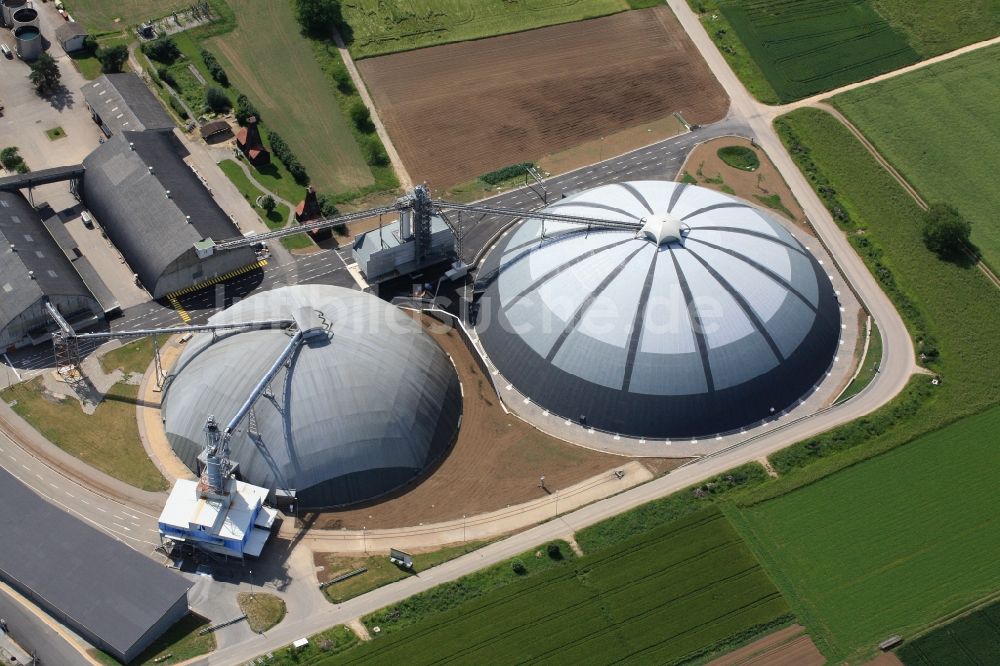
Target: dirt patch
x=457, y=111
x=790, y=646
x=763, y=186
x=495, y=463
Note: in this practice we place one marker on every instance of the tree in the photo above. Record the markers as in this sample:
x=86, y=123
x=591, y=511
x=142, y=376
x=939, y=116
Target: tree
x=162, y=49
x=112, y=58
x=45, y=75
x=245, y=109
x=946, y=232
x=12, y=160
x=361, y=117
x=216, y=100
x=268, y=203
x=373, y=151
x=318, y=18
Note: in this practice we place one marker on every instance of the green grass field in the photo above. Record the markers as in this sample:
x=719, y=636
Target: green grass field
x=890, y=545
x=268, y=60
x=387, y=26
x=804, y=48
x=934, y=27
x=100, y=15
x=277, y=218
x=670, y=595
x=107, y=440
x=932, y=126
x=971, y=640
x=871, y=362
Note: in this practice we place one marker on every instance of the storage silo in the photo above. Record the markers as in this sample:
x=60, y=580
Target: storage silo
x=24, y=16
x=28, y=42
x=7, y=9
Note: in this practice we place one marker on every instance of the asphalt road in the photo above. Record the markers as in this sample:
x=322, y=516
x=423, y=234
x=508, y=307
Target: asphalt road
x=36, y=636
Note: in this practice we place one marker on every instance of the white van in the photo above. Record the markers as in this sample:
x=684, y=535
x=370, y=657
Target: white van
x=6, y=52
x=88, y=221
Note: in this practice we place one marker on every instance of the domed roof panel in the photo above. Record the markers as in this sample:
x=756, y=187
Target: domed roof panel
x=723, y=312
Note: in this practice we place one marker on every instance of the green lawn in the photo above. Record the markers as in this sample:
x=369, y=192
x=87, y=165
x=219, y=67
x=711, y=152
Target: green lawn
x=267, y=59
x=263, y=611
x=870, y=365
x=100, y=15
x=888, y=546
x=132, y=357
x=970, y=640
x=387, y=26
x=108, y=440
x=324, y=644
x=380, y=570
x=934, y=125
x=678, y=593
x=802, y=48
x=277, y=218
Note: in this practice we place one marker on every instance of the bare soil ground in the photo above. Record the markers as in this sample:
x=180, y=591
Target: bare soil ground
x=790, y=646
x=758, y=187
x=457, y=111
x=495, y=462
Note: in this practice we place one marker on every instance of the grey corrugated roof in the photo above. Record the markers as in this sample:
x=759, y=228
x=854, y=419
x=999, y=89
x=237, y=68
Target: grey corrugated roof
x=36, y=251
x=125, y=104
x=388, y=236
x=694, y=336
x=103, y=586
x=132, y=205
x=69, y=29
x=361, y=413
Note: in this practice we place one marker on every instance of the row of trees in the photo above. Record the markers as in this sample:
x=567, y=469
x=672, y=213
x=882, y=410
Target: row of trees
x=214, y=68
x=318, y=18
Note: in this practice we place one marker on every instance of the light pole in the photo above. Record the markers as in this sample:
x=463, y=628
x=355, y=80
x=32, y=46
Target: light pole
x=251, y=583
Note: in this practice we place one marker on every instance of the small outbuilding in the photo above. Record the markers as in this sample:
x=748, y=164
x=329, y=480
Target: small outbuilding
x=215, y=131
x=71, y=36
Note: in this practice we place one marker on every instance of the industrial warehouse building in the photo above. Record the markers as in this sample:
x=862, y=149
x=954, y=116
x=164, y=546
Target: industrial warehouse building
x=123, y=103
x=356, y=413
x=710, y=319
x=157, y=212
x=33, y=269
x=116, y=598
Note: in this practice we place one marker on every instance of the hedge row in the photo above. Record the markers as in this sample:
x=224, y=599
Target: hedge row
x=214, y=68
x=281, y=150
x=506, y=173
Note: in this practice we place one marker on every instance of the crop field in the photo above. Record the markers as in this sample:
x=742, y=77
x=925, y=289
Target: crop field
x=970, y=640
x=100, y=15
x=269, y=61
x=890, y=545
x=518, y=97
x=661, y=598
x=809, y=46
x=379, y=27
x=932, y=126
x=936, y=27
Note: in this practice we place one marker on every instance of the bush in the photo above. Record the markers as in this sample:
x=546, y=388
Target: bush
x=162, y=49
x=178, y=108
x=517, y=566
x=112, y=58
x=216, y=100
x=946, y=232
x=245, y=109
x=374, y=152
x=214, y=68
x=739, y=157
x=361, y=117
x=164, y=74
x=281, y=150
x=12, y=160
x=268, y=203
x=342, y=78
x=506, y=173
x=553, y=551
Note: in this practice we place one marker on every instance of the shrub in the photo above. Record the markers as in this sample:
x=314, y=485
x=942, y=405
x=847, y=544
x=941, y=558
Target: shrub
x=361, y=117
x=268, y=203
x=12, y=160
x=216, y=100
x=517, y=566
x=281, y=150
x=176, y=105
x=739, y=157
x=553, y=551
x=214, y=68
x=342, y=78
x=245, y=109
x=374, y=152
x=112, y=58
x=164, y=74
x=946, y=232
x=506, y=173
x=162, y=49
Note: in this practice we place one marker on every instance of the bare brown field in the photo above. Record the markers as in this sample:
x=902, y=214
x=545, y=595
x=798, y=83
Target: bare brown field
x=495, y=462
x=457, y=111
x=790, y=646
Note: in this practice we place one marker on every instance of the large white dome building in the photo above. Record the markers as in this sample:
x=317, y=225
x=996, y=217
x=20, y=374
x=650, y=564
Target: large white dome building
x=706, y=319
x=358, y=412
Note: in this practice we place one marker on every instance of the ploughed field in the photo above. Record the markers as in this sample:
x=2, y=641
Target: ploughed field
x=669, y=595
x=457, y=111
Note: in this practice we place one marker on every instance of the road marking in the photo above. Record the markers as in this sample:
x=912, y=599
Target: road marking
x=127, y=529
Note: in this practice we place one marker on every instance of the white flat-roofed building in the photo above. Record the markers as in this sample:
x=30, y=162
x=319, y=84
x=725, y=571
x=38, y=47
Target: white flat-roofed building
x=235, y=524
